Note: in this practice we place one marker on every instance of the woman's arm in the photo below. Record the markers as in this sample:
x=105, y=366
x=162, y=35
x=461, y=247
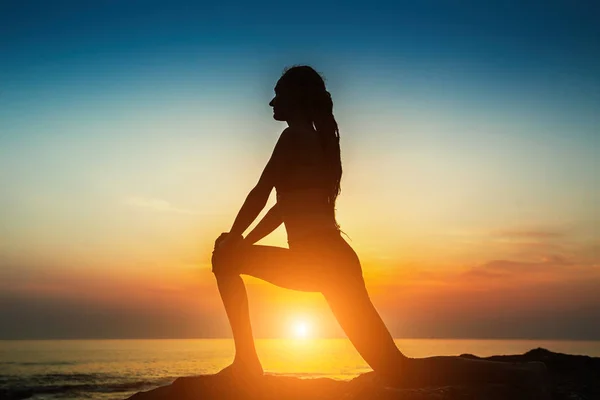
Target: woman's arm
x=268, y=224
x=257, y=198
x=255, y=202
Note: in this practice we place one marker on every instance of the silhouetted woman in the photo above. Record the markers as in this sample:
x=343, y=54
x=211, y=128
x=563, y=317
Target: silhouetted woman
x=305, y=169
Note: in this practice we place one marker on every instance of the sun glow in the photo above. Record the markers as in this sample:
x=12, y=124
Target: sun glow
x=301, y=330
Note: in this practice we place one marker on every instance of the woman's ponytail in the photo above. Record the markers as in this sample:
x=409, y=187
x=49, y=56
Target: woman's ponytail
x=329, y=134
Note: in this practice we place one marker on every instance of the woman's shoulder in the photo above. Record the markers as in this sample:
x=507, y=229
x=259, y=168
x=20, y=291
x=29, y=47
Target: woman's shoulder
x=299, y=136
x=287, y=137
x=292, y=136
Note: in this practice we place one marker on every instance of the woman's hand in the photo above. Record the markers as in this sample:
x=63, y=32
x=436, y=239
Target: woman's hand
x=226, y=239
x=220, y=239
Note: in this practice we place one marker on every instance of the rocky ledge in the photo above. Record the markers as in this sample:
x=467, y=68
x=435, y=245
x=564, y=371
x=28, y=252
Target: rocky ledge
x=569, y=377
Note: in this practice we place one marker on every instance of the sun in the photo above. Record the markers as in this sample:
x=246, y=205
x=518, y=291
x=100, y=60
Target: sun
x=301, y=329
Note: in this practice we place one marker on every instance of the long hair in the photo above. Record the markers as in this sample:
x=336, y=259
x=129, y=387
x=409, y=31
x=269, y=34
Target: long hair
x=315, y=100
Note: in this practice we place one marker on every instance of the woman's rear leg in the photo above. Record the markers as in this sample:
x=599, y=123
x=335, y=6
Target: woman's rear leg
x=356, y=314
x=366, y=330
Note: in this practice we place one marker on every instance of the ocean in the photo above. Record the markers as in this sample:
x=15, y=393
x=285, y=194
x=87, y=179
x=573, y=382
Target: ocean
x=116, y=369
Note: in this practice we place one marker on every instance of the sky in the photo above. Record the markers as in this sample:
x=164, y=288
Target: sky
x=131, y=132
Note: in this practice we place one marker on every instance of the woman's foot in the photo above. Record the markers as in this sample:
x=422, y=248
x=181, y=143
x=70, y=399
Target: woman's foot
x=243, y=369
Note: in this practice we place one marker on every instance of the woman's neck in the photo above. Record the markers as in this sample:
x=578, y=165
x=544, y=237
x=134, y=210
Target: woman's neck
x=301, y=123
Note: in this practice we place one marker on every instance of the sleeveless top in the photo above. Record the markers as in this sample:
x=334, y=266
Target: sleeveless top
x=302, y=189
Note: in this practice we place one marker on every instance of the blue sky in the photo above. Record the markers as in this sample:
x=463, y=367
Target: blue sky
x=131, y=131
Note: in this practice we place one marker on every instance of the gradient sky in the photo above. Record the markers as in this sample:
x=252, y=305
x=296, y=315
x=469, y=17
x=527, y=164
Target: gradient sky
x=130, y=133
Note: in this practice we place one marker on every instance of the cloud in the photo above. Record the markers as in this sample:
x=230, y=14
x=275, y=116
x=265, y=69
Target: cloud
x=156, y=205
x=545, y=263
x=528, y=234
x=553, y=267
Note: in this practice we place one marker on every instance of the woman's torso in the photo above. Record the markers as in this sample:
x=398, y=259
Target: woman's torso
x=302, y=189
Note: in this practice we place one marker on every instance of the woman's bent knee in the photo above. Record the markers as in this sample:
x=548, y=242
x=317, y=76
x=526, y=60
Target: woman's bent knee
x=224, y=262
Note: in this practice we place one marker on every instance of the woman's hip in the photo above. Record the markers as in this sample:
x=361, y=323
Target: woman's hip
x=328, y=255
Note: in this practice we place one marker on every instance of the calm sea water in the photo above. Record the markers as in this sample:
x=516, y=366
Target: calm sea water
x=115, y=369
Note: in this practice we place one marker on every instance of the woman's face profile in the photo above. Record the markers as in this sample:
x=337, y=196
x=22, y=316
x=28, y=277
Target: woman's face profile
x=282, y=103
x=277, y=104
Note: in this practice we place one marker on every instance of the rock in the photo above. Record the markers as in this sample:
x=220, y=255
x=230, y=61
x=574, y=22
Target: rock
x=569, y=377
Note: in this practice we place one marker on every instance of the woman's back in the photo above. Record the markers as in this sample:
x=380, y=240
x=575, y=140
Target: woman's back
x=302, y=185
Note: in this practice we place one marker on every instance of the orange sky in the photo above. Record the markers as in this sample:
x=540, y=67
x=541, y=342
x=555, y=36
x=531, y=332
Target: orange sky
x=469, y=140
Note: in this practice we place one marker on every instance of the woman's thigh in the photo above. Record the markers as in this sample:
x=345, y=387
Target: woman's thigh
x=279, y=266
x=358, y=317
x=308, y=271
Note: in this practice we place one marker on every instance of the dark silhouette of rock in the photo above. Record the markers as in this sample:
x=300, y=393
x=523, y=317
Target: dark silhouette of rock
x=571, y=377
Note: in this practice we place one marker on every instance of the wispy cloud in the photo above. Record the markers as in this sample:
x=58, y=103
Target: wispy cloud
x=528, y=234
x=554, y=267
x=156, y=205
x=504, y=268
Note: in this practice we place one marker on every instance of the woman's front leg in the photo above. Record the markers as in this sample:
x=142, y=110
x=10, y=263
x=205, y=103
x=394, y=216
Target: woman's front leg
x=276, y=265
x=235, y=300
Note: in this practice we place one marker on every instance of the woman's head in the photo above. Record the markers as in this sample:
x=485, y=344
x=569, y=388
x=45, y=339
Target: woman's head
x=300, y=94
